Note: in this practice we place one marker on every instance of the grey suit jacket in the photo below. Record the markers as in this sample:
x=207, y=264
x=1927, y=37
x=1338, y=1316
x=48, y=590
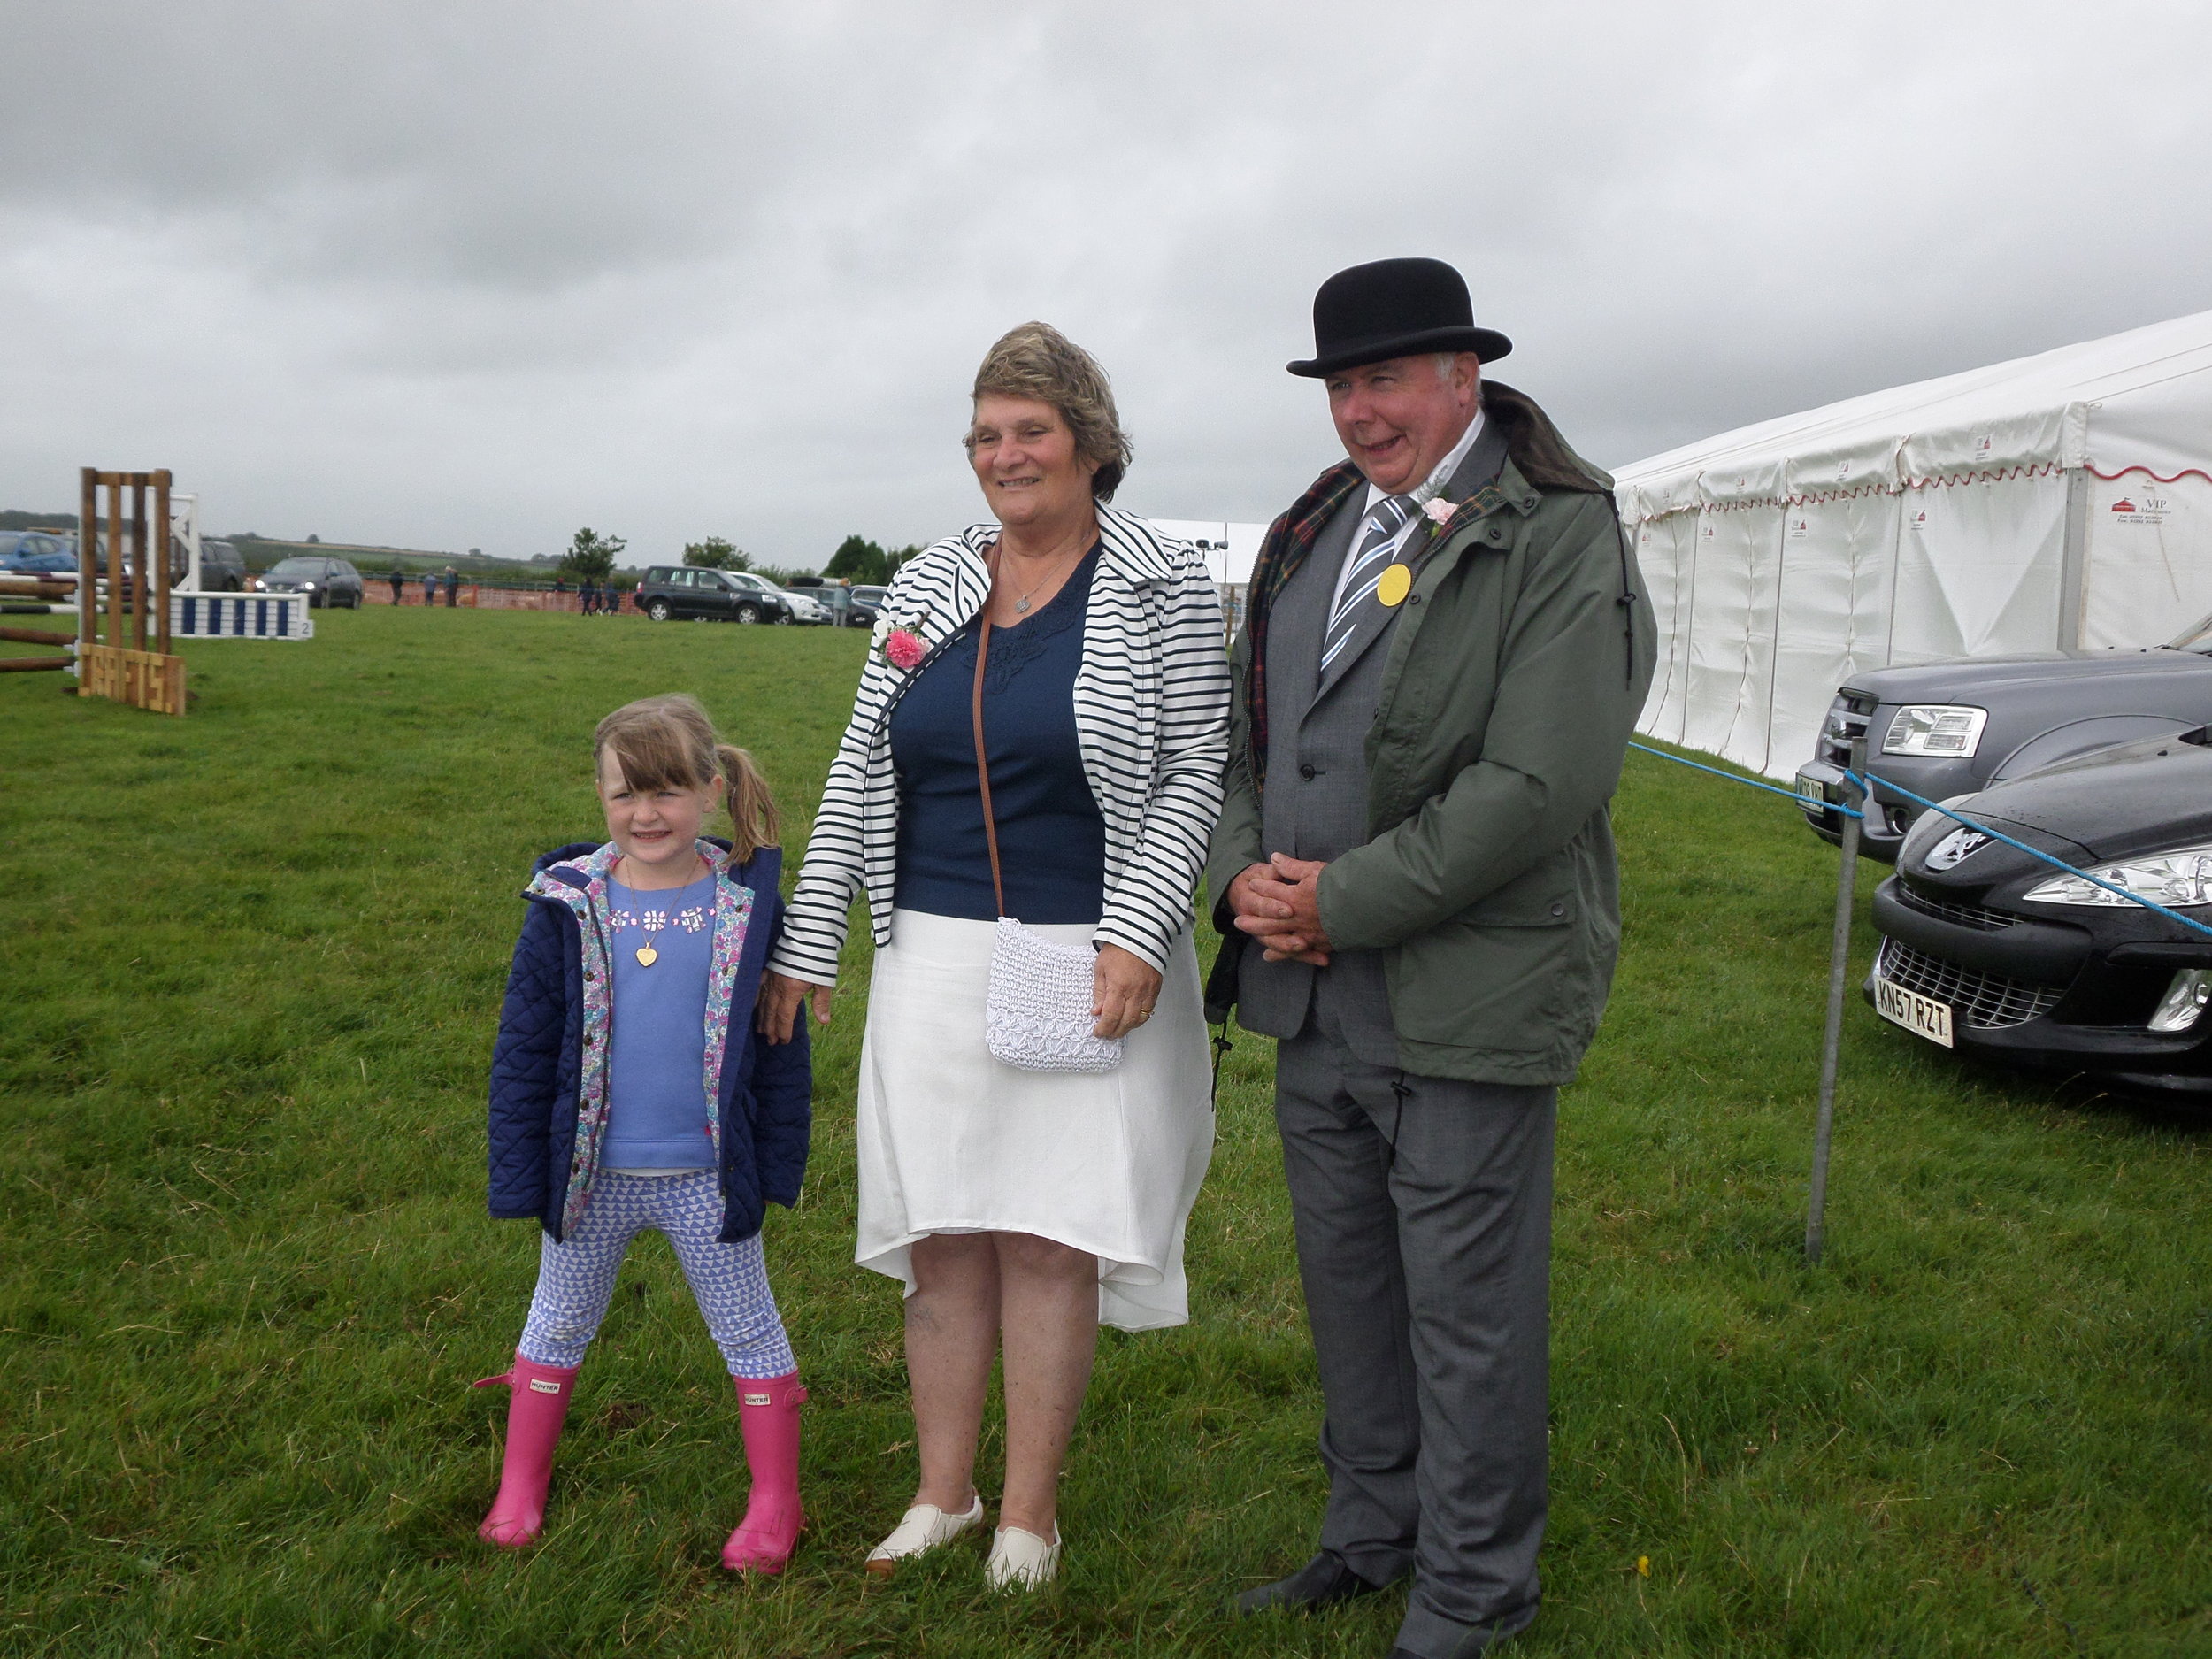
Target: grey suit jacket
x=1315, y=805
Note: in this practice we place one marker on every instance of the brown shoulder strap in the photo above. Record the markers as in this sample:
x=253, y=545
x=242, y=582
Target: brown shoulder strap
x=982, y=758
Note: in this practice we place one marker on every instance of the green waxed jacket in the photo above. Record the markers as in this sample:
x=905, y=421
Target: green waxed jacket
x=1514, y=674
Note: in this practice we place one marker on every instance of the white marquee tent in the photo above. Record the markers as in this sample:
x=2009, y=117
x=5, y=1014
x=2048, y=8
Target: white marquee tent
x=2055, y=502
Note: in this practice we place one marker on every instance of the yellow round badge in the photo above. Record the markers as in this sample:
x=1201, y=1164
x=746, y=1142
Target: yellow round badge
x=1394, y=584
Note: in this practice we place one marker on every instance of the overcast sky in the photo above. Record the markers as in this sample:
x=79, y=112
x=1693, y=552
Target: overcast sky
x=466, y=274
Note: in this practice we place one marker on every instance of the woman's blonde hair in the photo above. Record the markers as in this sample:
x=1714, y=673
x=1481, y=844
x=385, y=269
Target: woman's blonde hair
x=1036, y=360
x=669, y=743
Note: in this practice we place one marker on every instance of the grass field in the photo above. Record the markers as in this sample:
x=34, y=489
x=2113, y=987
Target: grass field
x=252, y=961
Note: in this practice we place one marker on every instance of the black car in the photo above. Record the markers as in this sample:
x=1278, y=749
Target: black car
x=1949, y=728
x=669, y=591
x=864, y=604
x=221, y=569
x=327, y=582
x=1989, y=951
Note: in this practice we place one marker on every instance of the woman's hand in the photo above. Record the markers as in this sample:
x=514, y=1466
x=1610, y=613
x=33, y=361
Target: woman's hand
x=776, y=1012
x=1123, y=989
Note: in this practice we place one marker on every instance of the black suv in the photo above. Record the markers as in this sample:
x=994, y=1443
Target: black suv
x=1948, y=729
x=685, y=590
x=327, y=582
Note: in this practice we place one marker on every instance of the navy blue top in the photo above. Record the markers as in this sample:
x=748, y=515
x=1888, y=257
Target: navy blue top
x=1051, y=837
x=656, y=1088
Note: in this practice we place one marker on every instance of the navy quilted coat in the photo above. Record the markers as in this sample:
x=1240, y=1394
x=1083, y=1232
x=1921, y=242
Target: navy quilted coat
x=537, y=1069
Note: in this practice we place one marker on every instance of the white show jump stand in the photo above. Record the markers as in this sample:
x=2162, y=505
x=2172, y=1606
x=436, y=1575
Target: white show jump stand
x=240, y=617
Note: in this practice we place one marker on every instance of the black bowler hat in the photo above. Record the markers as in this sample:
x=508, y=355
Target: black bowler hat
x=1394, y=308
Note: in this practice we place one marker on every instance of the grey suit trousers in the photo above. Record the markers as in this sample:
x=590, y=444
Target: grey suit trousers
x=1422, y=1210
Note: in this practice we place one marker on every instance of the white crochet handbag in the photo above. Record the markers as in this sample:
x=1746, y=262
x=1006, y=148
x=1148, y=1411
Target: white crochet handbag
x=1037, y=1016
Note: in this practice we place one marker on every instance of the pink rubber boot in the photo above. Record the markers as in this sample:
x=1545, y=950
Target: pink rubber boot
x=770, y=1413
x=537, y=1404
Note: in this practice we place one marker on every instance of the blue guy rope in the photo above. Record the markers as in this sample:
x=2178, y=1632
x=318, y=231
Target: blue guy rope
x=1750, y=783
x=2056, y=863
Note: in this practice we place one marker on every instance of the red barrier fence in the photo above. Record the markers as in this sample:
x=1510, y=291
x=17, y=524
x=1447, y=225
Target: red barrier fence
x=481, y=596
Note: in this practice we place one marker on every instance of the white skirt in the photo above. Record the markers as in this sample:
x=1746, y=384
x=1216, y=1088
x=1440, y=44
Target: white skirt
x=952, y=1140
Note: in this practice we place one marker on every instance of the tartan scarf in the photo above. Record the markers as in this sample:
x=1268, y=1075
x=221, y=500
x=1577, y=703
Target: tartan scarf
x=1289, y=539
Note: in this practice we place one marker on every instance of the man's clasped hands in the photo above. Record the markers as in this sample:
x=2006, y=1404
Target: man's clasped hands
x=1278, y=904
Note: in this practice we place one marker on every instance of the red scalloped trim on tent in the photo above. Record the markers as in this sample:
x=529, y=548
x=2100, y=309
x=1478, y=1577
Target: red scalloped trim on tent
x=2158, y=478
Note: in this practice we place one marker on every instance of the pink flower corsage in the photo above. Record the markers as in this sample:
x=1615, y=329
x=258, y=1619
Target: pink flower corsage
x=1438, y=509
x=903, y=648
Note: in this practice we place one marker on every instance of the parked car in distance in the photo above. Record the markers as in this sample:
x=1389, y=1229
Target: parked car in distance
x=1947, y=729
x=671, y=591
x=328, y=583
x=222, y=569
x=865, y=606
x=37, y=553
x=1991, y=952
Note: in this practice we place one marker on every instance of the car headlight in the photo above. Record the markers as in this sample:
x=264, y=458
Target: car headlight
x=1935, y=728
x=2178, y=879
x=307, y=587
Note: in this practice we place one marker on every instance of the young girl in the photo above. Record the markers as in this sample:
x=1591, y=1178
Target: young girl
x=628, y=1091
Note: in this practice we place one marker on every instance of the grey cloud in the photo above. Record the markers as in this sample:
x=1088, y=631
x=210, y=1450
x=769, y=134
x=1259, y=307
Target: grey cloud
x=473, y=275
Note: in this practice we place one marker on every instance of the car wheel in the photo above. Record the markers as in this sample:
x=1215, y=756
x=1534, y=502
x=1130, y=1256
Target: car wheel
x=746, y=613
x=658, y=610
x=783, y=618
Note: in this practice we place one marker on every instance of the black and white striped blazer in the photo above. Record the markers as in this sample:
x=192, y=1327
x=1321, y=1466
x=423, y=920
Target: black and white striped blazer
x=1151, y=717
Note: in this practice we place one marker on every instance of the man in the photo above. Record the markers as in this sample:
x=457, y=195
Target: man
x=452, y=585
x=398, y=577
x=589, y=589
x=1445, y=653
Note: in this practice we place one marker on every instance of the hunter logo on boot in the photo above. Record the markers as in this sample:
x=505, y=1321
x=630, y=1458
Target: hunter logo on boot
x=544, y=1386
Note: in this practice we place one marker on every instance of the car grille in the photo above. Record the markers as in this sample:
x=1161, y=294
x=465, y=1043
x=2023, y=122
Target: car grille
x=1985, y=1001
x=1846, y=718
x=1963, y=915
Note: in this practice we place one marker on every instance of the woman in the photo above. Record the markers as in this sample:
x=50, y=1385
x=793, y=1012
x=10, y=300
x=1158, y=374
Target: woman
x=1019, y=1208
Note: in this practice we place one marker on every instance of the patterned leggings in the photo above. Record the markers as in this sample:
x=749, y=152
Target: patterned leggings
x=730, y=1281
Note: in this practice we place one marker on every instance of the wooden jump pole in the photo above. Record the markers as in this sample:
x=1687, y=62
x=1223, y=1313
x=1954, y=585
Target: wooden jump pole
x=141, y=562
x=160, y=586
x=87, y=567
x=114, y=486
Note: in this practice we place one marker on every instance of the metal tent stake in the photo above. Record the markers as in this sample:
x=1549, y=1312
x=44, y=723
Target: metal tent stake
x=1832, y=1043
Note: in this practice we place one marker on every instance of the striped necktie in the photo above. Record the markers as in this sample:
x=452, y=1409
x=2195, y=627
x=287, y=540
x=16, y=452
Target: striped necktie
x=1366, y=567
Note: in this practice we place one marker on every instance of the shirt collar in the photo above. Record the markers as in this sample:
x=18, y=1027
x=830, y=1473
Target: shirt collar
x=1433, y=484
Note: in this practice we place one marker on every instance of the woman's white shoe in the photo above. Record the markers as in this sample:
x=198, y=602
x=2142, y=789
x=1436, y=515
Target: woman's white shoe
x=1021, y=1560
x=921, y=1528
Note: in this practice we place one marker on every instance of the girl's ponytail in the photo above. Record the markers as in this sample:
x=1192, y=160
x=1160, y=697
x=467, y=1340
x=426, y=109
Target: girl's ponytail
x=753, y=821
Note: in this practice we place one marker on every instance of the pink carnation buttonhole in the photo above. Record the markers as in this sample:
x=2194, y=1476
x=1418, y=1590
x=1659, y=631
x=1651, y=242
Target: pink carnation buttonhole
x=903, y=649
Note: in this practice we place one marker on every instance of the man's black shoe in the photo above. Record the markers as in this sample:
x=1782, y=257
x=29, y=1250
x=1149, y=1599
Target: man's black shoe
x=1322, y=1582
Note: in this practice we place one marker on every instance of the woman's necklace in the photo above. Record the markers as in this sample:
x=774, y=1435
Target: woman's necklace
x=1021, y=605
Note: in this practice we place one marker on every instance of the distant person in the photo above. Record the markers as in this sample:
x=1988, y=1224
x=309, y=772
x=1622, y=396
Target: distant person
x=452, y=585
x=588, y=590
x=398, y=579
x=842, y=602
x=597, y=1144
